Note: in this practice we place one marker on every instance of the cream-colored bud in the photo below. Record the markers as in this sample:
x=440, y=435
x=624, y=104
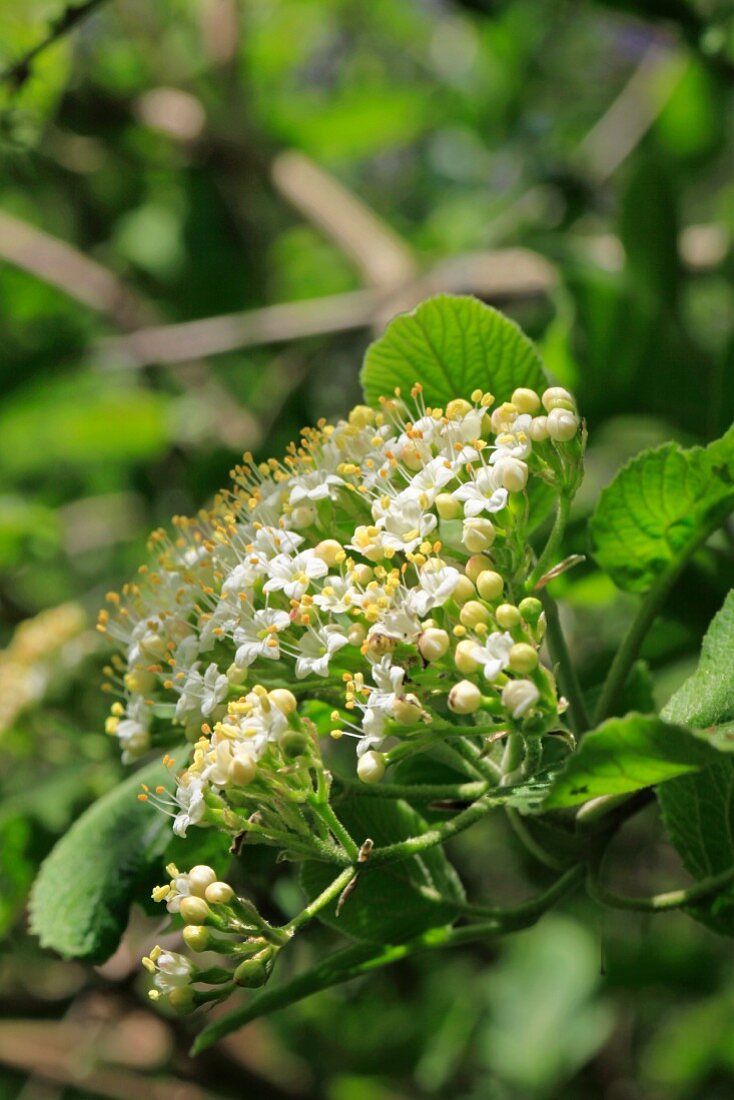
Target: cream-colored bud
x=477, y=564
x=526, y=401
x=242, y=770
x=513, y=473
x=464, y=697
x=371, y=767
x=329, y=551
x=557, y=398
x=182, y=999
x=518, y=696
x=433, y=644
x=219, y=893
x=356, y=634
x=464, y=656
x=507, y=616
x=407, y=710
x=284, y=700
x=379, y=645
x=538, y=430
x=458, y=408
x=303, y=515
x=447, y=507
x=200, y=877
x=523, y=657
x=361, y=416
x=236, y=675
x=473, y=613
x=562, y=425
x=477, y=534
x=194, y=910
x=503, y=417
x=490, y=585
x=197, y=937
x=362, y=574
x=463, y=591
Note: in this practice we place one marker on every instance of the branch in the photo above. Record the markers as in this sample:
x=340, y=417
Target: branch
x=19, y=72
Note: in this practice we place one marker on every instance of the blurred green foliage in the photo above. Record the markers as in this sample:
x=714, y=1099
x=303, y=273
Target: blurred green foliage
x=144, y=138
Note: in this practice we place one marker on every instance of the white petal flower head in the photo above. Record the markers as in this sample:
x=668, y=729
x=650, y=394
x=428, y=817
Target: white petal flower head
x=259, y=636
x=190, y=798
x=481, y=494
x=293, y=575
x=437, y=581
x=317, y=647
x=318, y=485
x=519, y=696
x=494, y=655
x=174, y=971
x=337, y=595
x=215, y=686
x=406, y=524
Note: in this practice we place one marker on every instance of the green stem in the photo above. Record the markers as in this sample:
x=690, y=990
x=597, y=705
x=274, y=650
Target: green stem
x=657, y=903
x=327, y=815
x=550, y=550
x=333, y=890
x=511, y=916
x=569, y=681
x=403, y=849
x=529, y=842
x=71, y=17
x=421, y=792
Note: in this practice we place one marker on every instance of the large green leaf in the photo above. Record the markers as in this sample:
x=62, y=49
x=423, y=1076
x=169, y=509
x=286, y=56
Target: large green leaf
x=698, y=810
x=625, y=755
x=452, y=345
x=391, y=903
x=659, y=508
x=81, y=897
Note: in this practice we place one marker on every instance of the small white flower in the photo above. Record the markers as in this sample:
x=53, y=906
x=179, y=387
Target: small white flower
x=519, y=696
x=494, y=655
x=481, y=494
x=190, y=798
x=437, y=582
x=318, y=485
x=259, y=636
x=293, y=575
x=173, y=971
x=317, y=647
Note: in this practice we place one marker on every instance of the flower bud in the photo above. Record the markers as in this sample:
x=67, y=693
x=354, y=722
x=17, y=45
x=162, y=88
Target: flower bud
x=458, y=408
x=472, y=613
x=463, y=591
x=477, y=564
x=523, y=657
x=513, y=474
x=329, y=551
x=562, y=425
x=507, y=616
x=538, y=430
x=293, y=743
x=477, y=534
x=303, y=515
x=526, y=401
x=194, y=910
x=490, y=585
x=447, y=507
x=236, y=676
x=379, y=645
x=219, y=893
x=433, y=644
x=242, y=770
x=407, y=710
x=531, y=609
x=254, y=972
x=197, y=937
x=464, y=697
x=356, y=634
x=200, y=877
x=464, y=656
x=182, y=1000
x=362, y=574
x=283, y=699
x=518, y=696
x=371, y=767
x=557, y=398
x=411, y=456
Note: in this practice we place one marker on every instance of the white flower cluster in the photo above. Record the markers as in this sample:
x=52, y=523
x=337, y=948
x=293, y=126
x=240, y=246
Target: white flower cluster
x=381, y=556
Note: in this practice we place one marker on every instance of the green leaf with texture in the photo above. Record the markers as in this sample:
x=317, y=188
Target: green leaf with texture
x=698, y=810
x=659, y=508
x=452, y=345
x=82, y=895
x=393, y=902
x=625, y=755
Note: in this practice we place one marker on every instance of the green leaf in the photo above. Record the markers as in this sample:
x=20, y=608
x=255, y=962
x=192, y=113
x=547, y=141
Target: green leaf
x=625, y=755
x=452, y=345
x=698, y=811
x=81, y=897
x=707, y=697
x=659, y=508
x=387, y=905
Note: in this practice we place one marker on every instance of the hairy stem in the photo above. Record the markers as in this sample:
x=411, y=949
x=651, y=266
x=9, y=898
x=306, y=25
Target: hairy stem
x=569, y=681
x=657, y=903
x=550, y=550
x=333, y=890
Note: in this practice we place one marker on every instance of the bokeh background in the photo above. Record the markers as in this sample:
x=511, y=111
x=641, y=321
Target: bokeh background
x=207, y=210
